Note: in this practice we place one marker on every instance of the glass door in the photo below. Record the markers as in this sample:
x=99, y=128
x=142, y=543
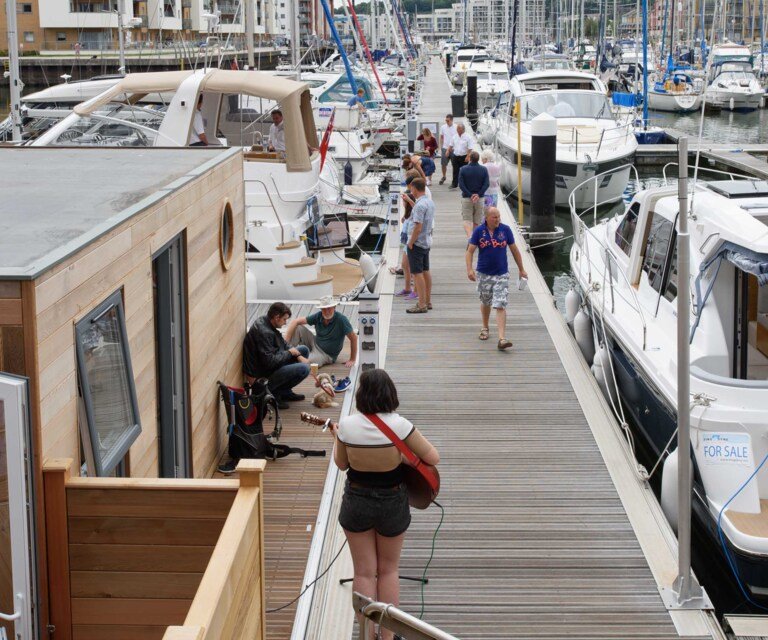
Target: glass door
x=17, y=557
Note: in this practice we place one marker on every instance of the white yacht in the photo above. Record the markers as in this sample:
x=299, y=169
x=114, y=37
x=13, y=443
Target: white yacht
x=464, y=56
x=626, y=269
x=492, y=80
x=733, y=84
x=676, y=92
x=281, y=189
x=590, y=139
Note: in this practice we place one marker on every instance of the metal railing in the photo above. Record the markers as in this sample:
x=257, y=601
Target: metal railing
x=731, y=175
x=394, y=619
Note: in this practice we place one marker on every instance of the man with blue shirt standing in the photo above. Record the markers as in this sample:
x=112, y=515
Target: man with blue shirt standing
x=492, y=238
x=419, y=244
x=474, y=182
x=331, y=327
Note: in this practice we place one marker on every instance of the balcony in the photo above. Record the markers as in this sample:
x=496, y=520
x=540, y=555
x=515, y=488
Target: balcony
x=134, y=557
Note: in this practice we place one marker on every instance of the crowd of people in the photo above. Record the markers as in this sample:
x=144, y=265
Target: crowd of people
x=375, y=512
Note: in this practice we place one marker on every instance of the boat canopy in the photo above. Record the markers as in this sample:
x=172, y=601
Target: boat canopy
x=294, y=99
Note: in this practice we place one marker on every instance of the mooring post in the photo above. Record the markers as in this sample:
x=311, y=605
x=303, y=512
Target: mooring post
x=472, y=97
x=543, y=152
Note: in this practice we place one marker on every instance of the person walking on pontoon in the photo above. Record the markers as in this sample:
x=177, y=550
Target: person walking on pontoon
x=492, y=238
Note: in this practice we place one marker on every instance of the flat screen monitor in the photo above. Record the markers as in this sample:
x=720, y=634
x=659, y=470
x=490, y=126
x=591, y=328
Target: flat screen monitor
x=331, y=232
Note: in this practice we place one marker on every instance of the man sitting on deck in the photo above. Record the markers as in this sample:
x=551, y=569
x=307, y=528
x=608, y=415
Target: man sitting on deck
x=331, y=327
x=277, y=132
x=267, y=355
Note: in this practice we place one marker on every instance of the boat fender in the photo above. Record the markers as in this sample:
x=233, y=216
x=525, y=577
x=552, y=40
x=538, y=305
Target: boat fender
x=250, y=282
x=603, y=360
x=731, y=103
x=582, y=331
x=369, y=270
x=572, y=303
x=669, y=488
x=599, y=374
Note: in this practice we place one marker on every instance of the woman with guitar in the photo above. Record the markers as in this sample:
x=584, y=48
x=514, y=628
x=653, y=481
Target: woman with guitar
x=374, y=511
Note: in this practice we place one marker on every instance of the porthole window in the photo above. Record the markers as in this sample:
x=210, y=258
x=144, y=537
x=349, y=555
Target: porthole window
x=226, y=235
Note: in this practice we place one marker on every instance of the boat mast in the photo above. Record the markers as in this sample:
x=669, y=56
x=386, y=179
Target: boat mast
x=670, y=61
x=120, y=33
x=249, y=29
x=293, y=15
x=645, y=64
x=13, y=63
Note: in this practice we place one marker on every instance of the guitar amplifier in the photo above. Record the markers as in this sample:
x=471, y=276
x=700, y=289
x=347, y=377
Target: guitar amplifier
x=368, y=330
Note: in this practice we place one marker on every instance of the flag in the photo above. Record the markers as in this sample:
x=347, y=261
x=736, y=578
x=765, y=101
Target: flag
x=326, y=138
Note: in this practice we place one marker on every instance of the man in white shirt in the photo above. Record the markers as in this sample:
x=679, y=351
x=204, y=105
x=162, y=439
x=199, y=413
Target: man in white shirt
x=277, y=132
x=461, y=147
x=198, y=138
x=447, y=132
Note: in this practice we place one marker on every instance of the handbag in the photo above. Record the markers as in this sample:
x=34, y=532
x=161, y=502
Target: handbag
x=421, y=479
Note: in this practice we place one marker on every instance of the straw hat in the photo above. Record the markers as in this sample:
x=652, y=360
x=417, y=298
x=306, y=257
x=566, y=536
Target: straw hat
x=326, y=302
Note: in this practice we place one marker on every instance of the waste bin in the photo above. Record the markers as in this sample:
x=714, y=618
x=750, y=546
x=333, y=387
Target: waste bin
x=457, y=104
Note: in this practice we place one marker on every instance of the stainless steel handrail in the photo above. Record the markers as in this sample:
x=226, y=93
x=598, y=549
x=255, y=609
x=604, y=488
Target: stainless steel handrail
x=394, y=619
x=732, y=176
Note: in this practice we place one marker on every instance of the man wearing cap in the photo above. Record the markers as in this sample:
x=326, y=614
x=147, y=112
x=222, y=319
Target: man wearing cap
x=331, y=327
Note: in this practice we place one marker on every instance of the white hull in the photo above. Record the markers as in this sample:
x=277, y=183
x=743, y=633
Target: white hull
x=735, y=100
x=677, y=103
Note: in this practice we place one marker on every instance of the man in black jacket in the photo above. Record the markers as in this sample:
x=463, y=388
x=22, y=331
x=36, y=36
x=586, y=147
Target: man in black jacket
x=267, y=355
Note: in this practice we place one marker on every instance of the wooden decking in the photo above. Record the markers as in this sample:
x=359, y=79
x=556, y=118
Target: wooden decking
x=292, y=490
x=536, y=541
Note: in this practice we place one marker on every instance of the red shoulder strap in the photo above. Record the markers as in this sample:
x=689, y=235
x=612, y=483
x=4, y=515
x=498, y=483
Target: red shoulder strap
x=401, y=446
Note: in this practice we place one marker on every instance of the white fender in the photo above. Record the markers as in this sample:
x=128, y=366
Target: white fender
x=731, y=103
x=250, y=282
x=572, y=303
x=369, y=270
x=597, y=371
x=603, y=360
x=582, y=331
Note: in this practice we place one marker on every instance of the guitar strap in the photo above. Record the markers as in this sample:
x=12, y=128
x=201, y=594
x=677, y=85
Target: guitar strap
x=401, y=446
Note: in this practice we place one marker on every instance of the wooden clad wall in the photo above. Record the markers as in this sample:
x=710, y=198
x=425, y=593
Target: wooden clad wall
x=123, y=258
x=11, y=329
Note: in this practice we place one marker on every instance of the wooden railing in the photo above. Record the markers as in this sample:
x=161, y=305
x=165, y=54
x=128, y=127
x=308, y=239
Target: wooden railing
x=130, y=557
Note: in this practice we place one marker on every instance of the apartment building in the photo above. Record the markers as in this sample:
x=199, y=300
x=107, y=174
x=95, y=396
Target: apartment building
x=87, y=25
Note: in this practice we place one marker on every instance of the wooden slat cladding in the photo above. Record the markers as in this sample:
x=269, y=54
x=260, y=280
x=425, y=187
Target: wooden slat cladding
x=12, y=349
x=123, y=260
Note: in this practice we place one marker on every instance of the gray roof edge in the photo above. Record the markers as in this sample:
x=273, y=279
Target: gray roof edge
x=67, y=250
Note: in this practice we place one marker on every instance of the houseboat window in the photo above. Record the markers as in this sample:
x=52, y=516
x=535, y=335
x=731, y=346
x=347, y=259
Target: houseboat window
x=657, y=250
x=625, y=232
x=111, y=423
x=226, y=235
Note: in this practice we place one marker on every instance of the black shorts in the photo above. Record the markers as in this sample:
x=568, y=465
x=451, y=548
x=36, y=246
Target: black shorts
x=384, y=510
x=418, y=259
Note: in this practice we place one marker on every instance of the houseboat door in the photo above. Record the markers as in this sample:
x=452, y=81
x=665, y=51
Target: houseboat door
x=172, y=374
x=17, y=557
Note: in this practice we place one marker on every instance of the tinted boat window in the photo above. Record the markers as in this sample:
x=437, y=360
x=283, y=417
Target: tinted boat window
x=625, y=232
x=657, y=250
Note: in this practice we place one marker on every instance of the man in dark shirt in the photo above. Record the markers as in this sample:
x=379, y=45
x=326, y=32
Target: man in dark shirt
x=267, y=355
x=473, y=182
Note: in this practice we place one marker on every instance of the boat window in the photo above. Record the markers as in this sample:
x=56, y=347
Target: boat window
x=121, y=126
x=566, y=104
x=670, y=290
x=657, y=250
x=625, y=232
x=111, y=421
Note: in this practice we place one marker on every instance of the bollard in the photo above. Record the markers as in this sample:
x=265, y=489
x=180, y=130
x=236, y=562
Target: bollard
x=413, y=133
x=472, y=97
x=367, y=317
x=543, y=152
x=448, y=62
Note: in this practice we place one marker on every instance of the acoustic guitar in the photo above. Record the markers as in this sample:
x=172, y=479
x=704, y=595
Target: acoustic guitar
x=422, y=480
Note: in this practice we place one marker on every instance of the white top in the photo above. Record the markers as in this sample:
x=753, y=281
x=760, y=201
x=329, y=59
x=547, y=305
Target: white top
x=198, y=127
x=277, y=136
x=448, y=134
x=494, y=175
x=357, y=431
x=462, y=144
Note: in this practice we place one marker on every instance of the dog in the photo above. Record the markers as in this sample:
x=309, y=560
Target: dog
x=324, y=398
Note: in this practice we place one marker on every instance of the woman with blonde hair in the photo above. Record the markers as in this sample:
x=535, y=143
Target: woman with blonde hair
x=494, y=176
x=374, y=510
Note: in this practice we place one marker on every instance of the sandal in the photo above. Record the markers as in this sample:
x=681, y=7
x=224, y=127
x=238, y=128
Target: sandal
x=416, y=309
x=503, y=344
x=483, y=334
x=396, y=271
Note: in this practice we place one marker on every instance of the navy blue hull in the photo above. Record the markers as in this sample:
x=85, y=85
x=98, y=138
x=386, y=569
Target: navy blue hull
x=655, y=421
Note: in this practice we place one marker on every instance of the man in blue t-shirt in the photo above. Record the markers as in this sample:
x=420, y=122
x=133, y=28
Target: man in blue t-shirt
x=331, y=327
x=358, y=100
x=492, y=238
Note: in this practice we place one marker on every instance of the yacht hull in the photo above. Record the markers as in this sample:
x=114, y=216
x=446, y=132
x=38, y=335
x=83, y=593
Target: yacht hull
x=654, y=421
x=734, y=100
x=569, y=175
x=676, y=103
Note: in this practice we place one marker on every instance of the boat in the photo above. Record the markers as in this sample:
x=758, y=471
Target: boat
x=589, y=138
x=549, y=62
x=732, y=81
x=281, y=189
x=626, y=271
x=676, y=91
x=465, y=55
x=492, y=80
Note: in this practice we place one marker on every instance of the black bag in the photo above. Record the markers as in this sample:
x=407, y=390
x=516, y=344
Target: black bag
x=249, y=410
